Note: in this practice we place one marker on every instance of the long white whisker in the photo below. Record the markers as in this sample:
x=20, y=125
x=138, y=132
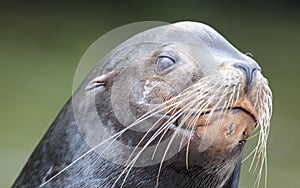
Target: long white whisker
x=156, y=134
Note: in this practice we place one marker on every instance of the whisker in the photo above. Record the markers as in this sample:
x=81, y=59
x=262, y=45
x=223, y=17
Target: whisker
x=142, y=118
x=191, y=126
x=150, y=140
x=176, y=116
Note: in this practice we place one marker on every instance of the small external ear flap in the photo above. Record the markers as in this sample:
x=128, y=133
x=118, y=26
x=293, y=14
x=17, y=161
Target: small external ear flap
x=99, y=83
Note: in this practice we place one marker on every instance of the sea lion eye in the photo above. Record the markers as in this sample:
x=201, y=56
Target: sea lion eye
x=164, y=64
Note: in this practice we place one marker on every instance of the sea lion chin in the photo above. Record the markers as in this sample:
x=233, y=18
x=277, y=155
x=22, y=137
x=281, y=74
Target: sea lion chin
x=172, y=106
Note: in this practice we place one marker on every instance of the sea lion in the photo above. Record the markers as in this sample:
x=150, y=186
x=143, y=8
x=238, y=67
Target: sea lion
x=172, y=106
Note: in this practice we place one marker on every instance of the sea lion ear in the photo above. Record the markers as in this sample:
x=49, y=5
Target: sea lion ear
x=99, y=83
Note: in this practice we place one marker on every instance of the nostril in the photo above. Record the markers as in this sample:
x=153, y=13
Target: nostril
x=243, y=139
x=244, y=133
x=249, y=72
x=242, y=142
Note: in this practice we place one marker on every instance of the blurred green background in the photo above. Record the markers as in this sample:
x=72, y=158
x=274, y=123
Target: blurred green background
x=42, y=43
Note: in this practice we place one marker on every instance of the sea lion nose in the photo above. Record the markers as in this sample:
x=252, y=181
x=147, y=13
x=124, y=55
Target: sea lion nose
x=249, y=71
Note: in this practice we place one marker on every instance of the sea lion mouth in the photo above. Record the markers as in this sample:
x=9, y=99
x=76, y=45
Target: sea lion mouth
x=202, y=122
x=229, y=127
x=250, y=113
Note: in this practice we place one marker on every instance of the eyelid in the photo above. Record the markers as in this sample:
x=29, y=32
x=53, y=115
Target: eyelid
x=168, y=69
x=161, y=56
x=168, y=54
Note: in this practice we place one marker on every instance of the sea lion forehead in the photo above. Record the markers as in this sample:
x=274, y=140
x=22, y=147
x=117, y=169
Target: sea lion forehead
x=197, y=36
x=213, y=40
x=221, y=49
x=206, y=34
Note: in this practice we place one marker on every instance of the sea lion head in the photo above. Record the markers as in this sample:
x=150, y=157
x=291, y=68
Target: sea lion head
x=183, y=85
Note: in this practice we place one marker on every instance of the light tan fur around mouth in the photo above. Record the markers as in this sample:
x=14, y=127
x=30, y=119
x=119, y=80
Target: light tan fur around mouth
x=210, y=96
